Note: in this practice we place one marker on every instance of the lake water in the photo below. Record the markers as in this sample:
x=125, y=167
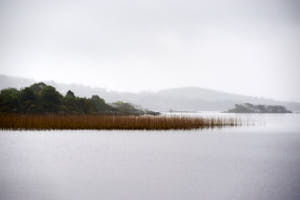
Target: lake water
x=248, y=162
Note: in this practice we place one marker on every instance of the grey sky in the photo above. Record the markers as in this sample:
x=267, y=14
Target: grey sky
x=248, y=47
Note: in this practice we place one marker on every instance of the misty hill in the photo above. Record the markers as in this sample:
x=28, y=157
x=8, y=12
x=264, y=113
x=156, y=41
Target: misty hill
x=178, y=99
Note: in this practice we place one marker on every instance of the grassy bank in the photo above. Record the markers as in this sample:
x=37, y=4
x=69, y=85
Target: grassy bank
x=110, y=122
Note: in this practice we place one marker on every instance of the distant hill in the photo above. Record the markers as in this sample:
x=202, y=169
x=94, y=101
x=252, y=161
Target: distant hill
x=178, y=99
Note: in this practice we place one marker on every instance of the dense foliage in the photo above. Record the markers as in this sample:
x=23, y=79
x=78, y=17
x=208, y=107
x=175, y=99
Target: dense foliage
x=250, y=108
x=41, y=98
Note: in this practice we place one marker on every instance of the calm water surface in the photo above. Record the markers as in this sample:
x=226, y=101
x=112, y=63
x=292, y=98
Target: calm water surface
x=249, y=162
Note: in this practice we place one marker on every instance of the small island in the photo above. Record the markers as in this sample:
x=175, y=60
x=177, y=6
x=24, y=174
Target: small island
x=250, y=108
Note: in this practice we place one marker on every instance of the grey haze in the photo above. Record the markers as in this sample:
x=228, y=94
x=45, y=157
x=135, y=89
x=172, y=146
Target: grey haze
x=238, y=46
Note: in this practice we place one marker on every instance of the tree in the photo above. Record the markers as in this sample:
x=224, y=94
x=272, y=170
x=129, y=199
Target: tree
x=9, y=100
x=29, y=101
x=70, y=94
x=27, y=94
x=126, y=108
x=98, y=104
x=38, y=87
x=51, y=100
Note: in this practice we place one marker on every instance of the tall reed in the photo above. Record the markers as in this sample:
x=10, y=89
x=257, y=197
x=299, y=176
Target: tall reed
x=110, y=122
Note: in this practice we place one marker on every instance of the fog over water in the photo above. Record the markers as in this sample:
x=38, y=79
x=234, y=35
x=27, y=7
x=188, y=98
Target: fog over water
x=250, y=162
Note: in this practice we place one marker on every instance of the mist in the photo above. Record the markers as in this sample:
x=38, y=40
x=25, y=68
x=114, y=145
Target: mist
x=243, y=47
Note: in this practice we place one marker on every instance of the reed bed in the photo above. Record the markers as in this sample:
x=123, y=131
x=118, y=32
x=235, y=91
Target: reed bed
x=110, y=122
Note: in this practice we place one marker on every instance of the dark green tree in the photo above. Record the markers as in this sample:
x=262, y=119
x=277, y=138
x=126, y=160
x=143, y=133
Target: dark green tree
x=10, y=100
x=70, y=94
x=51, y=100
x=29, y=101
x=99, y=104
x=38, y=87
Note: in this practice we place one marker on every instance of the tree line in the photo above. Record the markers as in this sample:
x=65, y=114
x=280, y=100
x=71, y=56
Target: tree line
x=40, y=98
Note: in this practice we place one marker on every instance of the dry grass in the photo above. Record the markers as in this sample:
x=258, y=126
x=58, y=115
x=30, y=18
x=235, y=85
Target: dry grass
x=110, y=122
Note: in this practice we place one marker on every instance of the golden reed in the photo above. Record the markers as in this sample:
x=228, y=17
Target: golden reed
x=109, y=122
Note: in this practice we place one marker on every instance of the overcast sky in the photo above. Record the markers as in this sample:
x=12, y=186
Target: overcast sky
x=248, y=47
